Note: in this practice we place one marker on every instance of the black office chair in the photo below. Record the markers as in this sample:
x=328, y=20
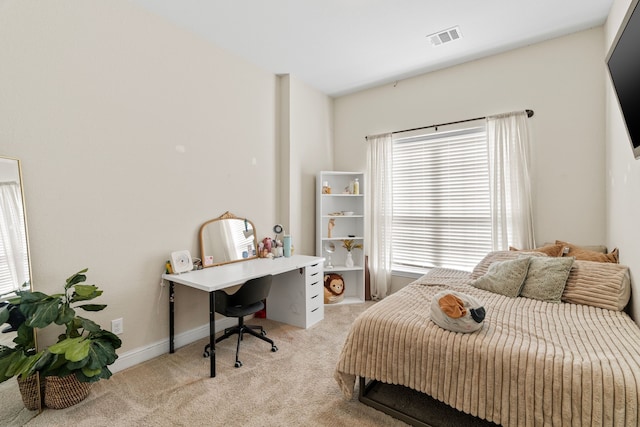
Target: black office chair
x=245, y=301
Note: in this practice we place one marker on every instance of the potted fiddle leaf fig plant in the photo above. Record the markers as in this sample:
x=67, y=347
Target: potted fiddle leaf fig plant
x=82, y=352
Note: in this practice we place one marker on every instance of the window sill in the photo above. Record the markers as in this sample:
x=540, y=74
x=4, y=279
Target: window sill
x=412, y=273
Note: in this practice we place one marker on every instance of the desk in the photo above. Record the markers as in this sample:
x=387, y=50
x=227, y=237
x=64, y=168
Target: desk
x=296, y=296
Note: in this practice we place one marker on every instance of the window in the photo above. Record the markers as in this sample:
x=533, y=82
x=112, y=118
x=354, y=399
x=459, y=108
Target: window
x=441, y=204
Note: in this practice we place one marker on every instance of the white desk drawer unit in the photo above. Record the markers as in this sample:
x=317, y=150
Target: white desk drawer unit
x=292, y=302
x=314, y=284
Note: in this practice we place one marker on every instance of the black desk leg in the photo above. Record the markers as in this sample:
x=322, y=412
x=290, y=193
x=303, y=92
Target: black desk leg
x=212, y=332
x=172, y=295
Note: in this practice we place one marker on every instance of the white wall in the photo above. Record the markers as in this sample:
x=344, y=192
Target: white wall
x=132, y=132
x=311, y=137
x=622, y=172
x=561, y=80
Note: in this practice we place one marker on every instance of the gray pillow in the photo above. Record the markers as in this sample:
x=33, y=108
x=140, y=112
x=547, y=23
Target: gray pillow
x=547, y=278
x=505, y=277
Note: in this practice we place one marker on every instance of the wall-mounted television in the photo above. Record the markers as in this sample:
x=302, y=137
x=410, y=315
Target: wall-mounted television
x=623, y=62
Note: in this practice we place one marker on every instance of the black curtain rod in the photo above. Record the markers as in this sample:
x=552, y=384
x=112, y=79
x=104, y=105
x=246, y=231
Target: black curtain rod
x=529, y=114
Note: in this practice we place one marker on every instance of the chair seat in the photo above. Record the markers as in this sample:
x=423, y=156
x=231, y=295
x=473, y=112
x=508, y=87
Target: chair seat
x=241, y=311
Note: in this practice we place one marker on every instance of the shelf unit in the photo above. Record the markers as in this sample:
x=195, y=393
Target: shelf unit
x=351, y=227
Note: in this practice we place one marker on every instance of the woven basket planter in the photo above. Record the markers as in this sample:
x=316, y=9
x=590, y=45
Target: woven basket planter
x=63, y=392
x=31, y=398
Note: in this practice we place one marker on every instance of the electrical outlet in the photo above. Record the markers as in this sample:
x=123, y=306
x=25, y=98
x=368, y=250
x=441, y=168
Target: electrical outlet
x=117, y=326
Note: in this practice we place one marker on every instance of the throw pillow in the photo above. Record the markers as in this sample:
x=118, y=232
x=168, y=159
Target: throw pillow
x=546, y=278
x=505, y=277
x=483, y=266
x=584, y=254
x=550, y=250
x=600, y=284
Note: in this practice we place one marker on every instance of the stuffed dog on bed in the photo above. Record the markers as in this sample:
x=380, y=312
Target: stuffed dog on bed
x=457, y=312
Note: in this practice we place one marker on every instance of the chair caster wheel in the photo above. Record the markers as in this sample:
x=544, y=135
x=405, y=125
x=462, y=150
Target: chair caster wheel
x=238, y=364
x=206, y=354
x=264, y=333
x=274, y=349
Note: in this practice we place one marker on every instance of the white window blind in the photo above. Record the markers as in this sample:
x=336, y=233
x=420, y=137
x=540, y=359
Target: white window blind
x=441, y=206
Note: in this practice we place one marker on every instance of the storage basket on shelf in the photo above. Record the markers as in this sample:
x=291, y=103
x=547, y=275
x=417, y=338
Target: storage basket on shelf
x=63, y=392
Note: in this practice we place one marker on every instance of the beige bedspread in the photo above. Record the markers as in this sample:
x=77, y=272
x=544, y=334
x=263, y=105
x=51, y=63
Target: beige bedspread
x=532, y=364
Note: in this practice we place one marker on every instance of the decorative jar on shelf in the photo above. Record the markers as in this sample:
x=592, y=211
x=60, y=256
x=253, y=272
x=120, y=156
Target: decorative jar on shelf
x=349, y=261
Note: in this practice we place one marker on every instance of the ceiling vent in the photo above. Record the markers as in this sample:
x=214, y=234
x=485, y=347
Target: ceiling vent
x=445, y=36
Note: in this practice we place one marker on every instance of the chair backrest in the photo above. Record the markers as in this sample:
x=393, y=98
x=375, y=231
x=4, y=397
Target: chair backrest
x=251, y=291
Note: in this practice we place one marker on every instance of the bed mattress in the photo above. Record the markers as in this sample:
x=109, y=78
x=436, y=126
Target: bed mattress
x=533, y=363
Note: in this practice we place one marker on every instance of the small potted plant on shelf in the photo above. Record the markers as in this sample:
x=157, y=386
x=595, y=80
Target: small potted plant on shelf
x=349, y=245
x=81, y=354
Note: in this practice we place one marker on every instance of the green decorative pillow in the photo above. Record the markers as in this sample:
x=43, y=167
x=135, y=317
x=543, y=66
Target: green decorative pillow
x=546, y=278
x=505, y=277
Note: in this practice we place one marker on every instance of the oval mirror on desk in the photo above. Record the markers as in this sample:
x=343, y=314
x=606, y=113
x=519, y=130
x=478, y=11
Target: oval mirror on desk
x=227, y=239
x=15, y=274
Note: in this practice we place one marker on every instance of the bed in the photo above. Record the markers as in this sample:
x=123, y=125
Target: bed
x=572, y=362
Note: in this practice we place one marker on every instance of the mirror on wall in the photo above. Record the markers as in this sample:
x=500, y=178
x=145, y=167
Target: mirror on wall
x=15, y=274
x=227, y=239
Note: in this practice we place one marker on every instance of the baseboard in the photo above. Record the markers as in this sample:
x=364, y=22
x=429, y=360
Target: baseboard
x=142, y=354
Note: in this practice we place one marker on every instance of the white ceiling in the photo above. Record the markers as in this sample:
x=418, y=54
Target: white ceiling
x=341, y=46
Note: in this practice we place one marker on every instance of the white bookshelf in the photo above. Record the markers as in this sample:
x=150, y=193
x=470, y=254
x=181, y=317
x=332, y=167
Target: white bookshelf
x=347, y=227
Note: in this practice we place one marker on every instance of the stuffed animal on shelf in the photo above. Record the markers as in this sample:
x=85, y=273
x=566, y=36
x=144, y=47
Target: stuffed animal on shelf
x=333, y=288
x=457, y=312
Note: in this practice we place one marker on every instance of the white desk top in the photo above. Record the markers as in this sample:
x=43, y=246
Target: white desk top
x=220, y=277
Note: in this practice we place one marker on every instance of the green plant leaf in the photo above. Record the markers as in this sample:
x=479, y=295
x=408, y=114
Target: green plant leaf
x=74, y=366
x=91, y=372
x=6, y=358
x=44, y=314
x=21, y=364
x=55, y=365
x=108, y=336
x=79, y=277
x=105, y=373
x=74, y=349
x=85, y=293
x=45, y=360
x=88, y=324
x=25, y=338
x=27, y=296
x=65, y=314
x=101, y=354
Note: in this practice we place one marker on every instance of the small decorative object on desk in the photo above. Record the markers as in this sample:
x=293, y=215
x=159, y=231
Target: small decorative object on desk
x=287, y=246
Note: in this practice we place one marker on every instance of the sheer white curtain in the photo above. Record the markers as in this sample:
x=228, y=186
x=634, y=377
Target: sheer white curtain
x=13, y=245
x=511, y=208
x=379, y=213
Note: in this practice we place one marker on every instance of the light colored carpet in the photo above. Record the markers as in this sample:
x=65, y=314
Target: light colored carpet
x=291, y=387
x=12, y=410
